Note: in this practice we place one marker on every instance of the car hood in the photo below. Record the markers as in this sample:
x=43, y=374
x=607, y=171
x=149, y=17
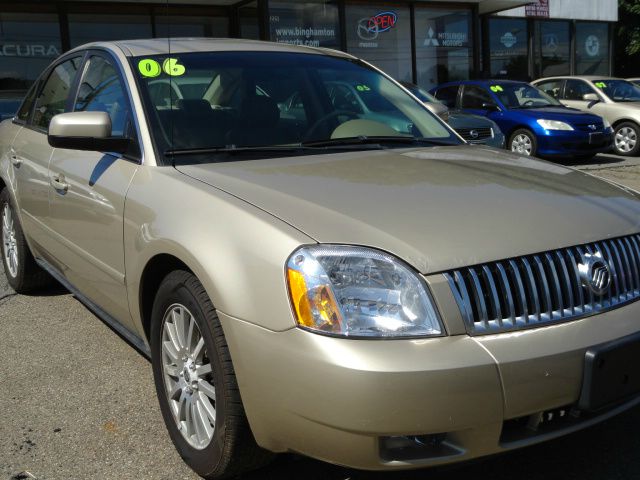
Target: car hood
x=437, y=208
x=459, y=119
x=563, y=114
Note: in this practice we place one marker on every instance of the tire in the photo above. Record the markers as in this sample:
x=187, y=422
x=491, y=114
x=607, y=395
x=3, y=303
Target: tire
x=22, y=272
x=626, y=139
x=213, y=449
x=523, y=142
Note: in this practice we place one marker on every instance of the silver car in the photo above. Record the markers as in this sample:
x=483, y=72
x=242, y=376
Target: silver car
x=614, y=99
x=320, y=283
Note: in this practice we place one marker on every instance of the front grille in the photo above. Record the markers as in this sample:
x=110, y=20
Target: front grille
x=546, y=288
x=585, y=127
x=480, y=133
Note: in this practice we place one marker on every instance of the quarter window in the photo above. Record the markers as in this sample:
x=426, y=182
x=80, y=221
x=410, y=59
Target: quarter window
x=101, y=91
x=448, y=95
x=576, y=89
x=552, y=88
x=475, y=97
x=53, y=97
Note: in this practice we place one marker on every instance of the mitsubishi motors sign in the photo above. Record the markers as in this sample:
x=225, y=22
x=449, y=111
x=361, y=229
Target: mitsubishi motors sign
x=540, y=8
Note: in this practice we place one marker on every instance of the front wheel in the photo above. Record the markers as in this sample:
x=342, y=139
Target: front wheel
x=523, y=142
x=626, y=139
x=195, y=382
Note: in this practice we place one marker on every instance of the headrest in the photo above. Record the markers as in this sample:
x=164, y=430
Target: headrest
x=260, y=111
x=194, y=106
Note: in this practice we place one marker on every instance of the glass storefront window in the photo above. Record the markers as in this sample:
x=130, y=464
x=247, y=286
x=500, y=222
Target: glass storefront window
x=552, y=49
x=249, y=21
x=508, y=39
x=592, y=48
x=443, y=45
x=28, y=43
x=84, y=28
x=381, y=35
x=314, y=24
x=190, y=26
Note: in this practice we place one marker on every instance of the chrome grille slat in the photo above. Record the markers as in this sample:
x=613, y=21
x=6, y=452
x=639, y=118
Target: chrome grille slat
x=544, y=288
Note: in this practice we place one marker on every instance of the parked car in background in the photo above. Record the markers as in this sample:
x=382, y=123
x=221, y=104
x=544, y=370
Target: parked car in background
x=473, y=128
x=533, y=122
x=614, y=99
x=321, y=284
x=9, y=103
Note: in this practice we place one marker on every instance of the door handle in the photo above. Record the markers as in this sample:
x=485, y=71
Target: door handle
x=59, y=184
x=15, y=160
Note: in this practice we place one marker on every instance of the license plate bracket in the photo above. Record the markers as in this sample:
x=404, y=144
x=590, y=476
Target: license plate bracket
x=611, y=373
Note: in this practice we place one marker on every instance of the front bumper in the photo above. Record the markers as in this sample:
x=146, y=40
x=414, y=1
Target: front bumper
x=575, y=143
x=338, y=399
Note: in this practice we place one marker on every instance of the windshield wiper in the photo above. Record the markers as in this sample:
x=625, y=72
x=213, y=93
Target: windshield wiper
x=374, y=140
x=233, y=149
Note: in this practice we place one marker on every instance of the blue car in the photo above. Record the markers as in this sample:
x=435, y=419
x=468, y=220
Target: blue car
x=533, y=122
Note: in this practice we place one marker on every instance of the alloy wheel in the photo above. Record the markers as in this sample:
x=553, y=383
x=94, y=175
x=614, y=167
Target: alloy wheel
x=626, y=139
x=9, y=242
x=188, y=378
x=522, y=144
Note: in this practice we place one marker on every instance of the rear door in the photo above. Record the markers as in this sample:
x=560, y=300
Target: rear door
x=31, y=152
x=87, y=207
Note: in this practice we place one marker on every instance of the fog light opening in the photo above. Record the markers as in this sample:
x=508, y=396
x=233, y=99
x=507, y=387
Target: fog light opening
x=414, y=447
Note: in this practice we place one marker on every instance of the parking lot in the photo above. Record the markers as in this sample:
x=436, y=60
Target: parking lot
x=77, y=402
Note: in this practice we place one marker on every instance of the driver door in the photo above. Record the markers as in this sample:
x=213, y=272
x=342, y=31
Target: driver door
x=88, y=197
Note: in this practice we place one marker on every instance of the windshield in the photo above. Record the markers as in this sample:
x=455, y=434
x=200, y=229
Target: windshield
x=522, y=95
x=225, y=100
x=619, y=90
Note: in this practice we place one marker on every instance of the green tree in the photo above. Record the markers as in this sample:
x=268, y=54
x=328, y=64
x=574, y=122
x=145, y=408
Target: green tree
x=627, y=53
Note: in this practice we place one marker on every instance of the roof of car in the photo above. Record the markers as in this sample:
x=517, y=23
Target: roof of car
x=579, y=77
x=484, y=82
x=162, y=46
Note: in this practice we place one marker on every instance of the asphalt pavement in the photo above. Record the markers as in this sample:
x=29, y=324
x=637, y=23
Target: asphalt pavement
x=77, y=402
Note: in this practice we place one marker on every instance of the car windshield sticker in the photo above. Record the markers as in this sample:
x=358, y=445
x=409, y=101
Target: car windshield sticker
x=149, y=68
x=600, y=85
x=362, y=88
x=172, y=67
x=496, y=88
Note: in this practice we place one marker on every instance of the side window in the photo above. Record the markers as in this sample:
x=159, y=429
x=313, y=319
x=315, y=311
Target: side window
x=475, y=97
x=551, y=87
x=54, y=94
x=575, y=89
x=100, y=90
x=448, y=95
x=24, y=113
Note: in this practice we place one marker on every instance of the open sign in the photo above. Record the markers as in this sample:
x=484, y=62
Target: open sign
x=382, y=22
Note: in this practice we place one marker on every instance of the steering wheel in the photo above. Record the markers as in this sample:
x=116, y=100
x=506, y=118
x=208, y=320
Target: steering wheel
x=336, y=113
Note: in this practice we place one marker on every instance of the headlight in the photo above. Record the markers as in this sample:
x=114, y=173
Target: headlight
x=553, y=124
x=606, y=123
x=358, y=292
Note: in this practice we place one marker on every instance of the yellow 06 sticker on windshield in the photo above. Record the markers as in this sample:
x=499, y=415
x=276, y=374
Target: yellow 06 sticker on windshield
x=148, y=67
x=496, y=88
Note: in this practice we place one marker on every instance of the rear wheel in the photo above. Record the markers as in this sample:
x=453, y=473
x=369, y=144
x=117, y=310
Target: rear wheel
x=22, y=272
x=196, y=384
x=523, y=142
x=626, y=139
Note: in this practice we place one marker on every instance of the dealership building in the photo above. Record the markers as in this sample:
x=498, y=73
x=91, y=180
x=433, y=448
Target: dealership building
x=421, y=41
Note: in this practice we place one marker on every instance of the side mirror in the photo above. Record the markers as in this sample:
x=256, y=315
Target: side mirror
x=492, y=107
x=85, y=131
x=590, y=97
